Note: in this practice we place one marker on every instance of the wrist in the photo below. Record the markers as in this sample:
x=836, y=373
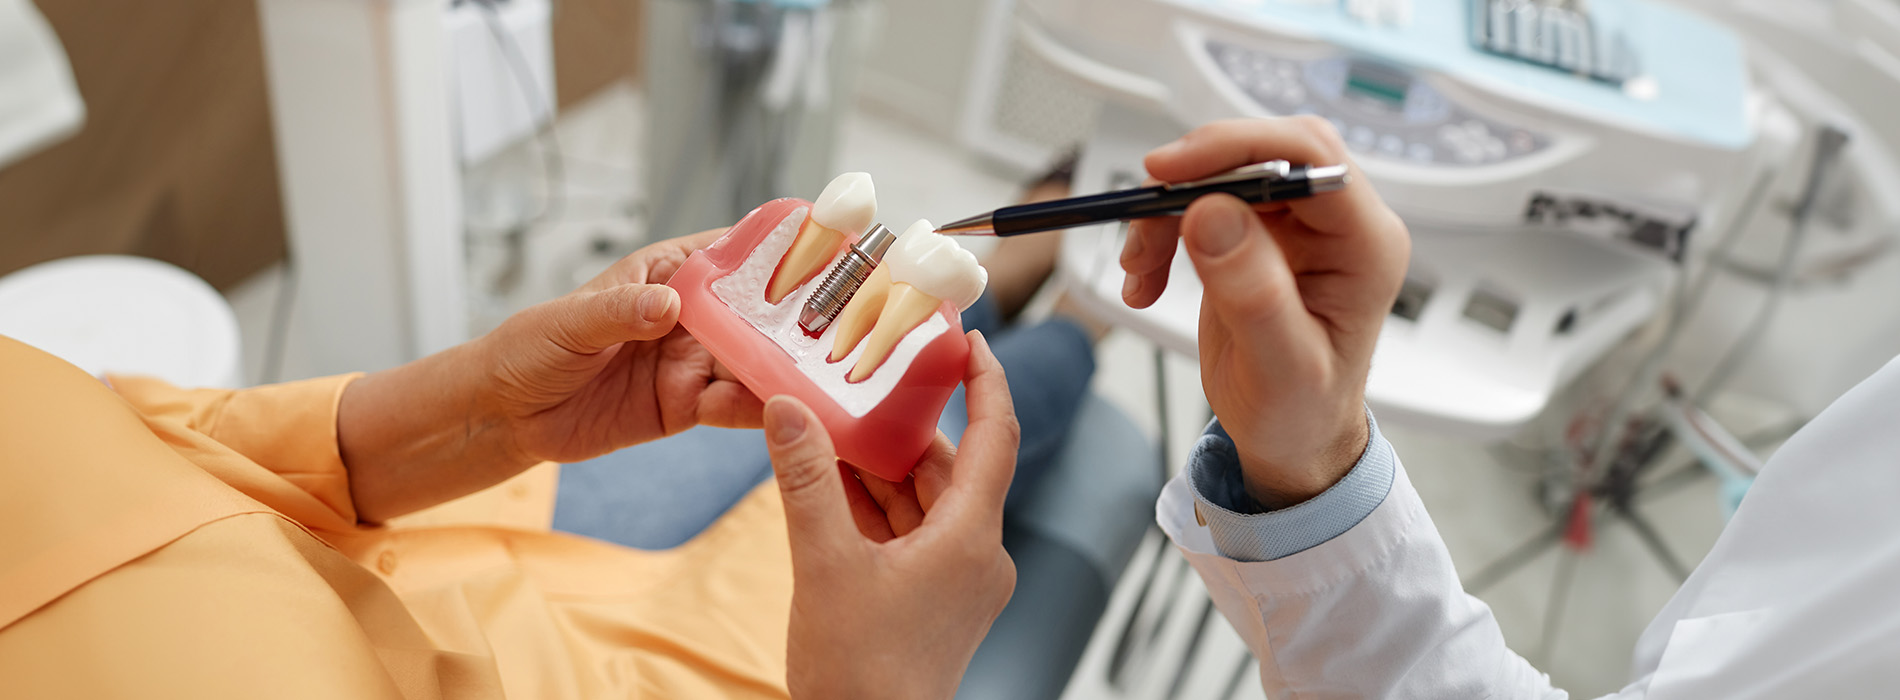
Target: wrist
x=1289, y=482
x=421, y=433
x=491, y=422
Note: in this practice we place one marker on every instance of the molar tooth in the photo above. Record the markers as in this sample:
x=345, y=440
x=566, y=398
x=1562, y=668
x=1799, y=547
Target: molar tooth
x=844, y=209
x=904, y=310
x=926, y=269
x=861, y=313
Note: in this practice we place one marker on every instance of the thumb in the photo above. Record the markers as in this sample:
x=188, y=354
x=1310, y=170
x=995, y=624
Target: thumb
x=589, y=322
x=807, y=470
x=1246, y=275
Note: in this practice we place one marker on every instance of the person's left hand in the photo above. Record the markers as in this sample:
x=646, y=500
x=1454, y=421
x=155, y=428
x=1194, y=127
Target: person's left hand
x=607, y=366
x=895, y=605
x=601, y=368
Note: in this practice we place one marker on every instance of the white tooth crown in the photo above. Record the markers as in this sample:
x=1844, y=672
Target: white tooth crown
x=936, y=265
x=846, y=208
x=921, y=226
x=848, y=204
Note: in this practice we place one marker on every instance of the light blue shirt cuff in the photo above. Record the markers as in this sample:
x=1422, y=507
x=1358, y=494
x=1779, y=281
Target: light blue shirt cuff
x=1244, y=531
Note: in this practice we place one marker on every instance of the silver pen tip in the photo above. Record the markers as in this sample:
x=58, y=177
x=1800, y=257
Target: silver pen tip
x=1328, y=178
x=979, y=225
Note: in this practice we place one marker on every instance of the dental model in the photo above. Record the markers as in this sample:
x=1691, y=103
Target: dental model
x=884, y=420
x=927, y=269
x=844, y=210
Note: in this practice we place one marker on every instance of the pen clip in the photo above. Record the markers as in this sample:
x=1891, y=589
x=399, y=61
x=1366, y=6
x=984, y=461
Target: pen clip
x=1270, y=170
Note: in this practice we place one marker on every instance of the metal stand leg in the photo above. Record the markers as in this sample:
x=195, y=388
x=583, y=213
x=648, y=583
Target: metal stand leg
x=1125, y=644
x=1653, y=540
x=1240, y=674
x=1554, y=608
x=1516, y=558
x=1166, y=433
x=1194, y=648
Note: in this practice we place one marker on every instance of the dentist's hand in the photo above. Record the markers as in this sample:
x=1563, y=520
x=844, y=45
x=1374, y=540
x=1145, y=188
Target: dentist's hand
x=1295, y=295
x=598, y=369
x=894, y=605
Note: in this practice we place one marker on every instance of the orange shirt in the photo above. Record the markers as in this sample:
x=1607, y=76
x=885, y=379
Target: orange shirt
x=159, y=542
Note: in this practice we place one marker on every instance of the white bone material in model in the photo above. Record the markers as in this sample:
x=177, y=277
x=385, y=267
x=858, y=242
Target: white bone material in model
x=845, y=208
x=742, y=290
x=927, y=269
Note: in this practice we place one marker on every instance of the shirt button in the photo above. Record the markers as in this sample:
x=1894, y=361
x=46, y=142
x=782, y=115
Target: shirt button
x=386, y=562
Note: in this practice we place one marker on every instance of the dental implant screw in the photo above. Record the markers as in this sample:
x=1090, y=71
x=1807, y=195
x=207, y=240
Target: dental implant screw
x=846, y=277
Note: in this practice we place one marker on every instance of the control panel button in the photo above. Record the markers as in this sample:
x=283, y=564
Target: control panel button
x=1494, y=149
x=1392, y=145
x=1423, y=105
x=1522, y=142
x=1361, y=138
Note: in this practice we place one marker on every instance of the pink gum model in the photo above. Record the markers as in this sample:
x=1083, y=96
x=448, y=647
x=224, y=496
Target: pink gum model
x=889, y=438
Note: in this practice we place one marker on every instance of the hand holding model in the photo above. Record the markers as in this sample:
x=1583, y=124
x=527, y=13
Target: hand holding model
x=595, y=370
x=1295, y=295
x=894, y=605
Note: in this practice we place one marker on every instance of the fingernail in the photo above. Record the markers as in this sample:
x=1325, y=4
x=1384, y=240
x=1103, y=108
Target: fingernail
x=1167, y=148
x=1130, y=286
x=654, y=304
x=1221, y=230
x=1132, y=249
x=784, y=423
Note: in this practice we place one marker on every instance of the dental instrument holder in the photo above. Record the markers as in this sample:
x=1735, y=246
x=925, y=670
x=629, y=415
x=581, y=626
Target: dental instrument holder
x=889, y=438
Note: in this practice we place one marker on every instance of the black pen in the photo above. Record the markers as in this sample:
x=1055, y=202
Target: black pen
x=1272, y=181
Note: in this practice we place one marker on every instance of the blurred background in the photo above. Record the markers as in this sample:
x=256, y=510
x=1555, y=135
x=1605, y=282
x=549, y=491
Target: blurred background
x=1607, y=197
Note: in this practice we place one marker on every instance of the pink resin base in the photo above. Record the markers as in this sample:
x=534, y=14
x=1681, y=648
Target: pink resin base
x=888, y=439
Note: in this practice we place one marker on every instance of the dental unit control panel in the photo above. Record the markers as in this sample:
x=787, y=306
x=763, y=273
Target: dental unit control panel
x=1378, y=108
x=1551, y=200
x=1443, y=124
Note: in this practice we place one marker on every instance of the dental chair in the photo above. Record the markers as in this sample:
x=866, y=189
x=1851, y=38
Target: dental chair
x=125, y=315
x=1071, y=536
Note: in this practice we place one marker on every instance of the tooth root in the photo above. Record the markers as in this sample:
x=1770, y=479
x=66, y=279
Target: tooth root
x=810, y=251
x=861, y=314
x=904, y=310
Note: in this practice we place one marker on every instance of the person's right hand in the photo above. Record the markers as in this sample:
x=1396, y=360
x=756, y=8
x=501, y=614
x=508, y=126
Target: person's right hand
x=1295, y=295
x=894, y=605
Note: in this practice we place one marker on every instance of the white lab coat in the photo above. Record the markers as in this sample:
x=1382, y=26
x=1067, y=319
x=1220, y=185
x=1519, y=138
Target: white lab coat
x=1800, y=598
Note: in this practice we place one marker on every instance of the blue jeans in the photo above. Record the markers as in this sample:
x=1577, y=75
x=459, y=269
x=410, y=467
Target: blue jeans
x=660, y=494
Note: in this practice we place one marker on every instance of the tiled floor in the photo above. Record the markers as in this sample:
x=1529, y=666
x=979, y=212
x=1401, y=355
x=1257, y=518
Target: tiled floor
x=1482, y=506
